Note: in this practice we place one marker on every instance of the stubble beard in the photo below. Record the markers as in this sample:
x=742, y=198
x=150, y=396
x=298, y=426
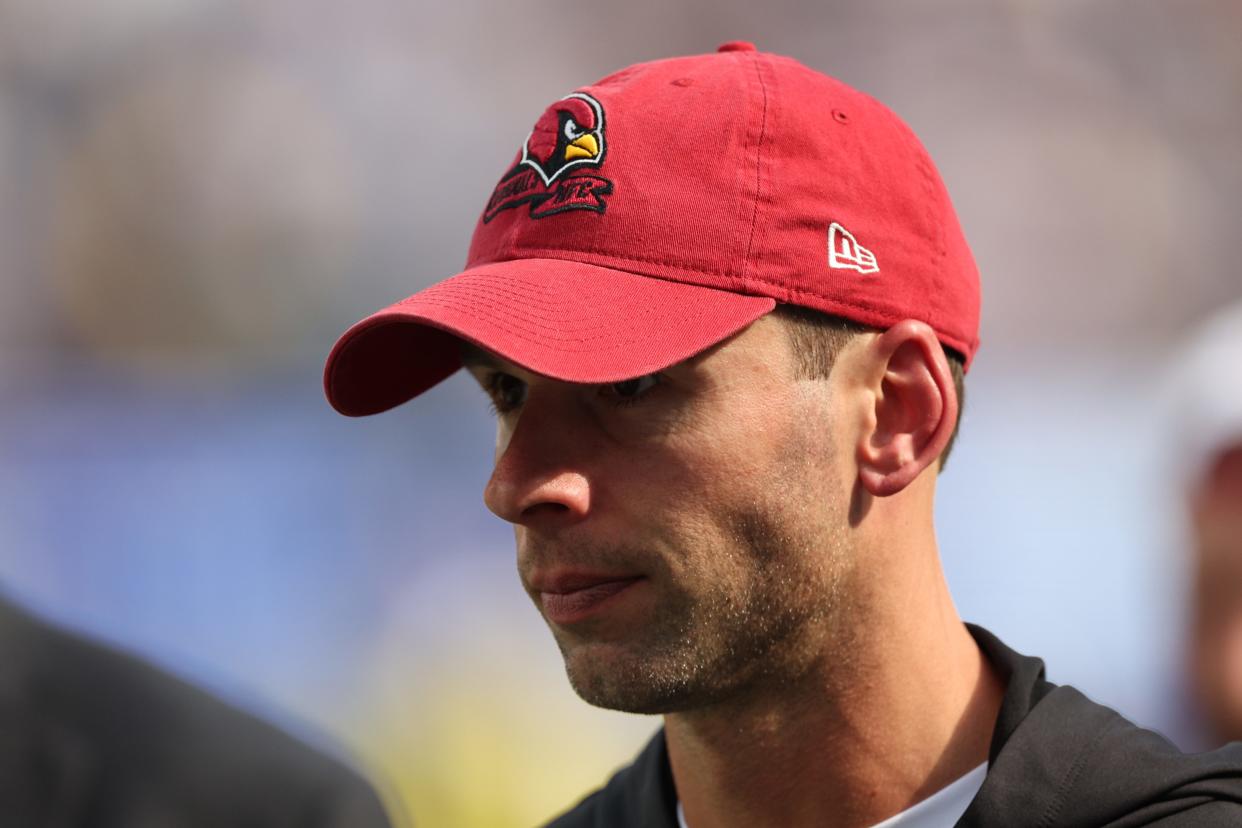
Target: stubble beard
x=733, y=635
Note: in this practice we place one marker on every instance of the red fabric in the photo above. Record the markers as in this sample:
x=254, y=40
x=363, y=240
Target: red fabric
x=723, y=171
x=561, y=318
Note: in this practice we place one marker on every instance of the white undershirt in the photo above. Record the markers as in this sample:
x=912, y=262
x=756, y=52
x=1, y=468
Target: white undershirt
x=940, y=810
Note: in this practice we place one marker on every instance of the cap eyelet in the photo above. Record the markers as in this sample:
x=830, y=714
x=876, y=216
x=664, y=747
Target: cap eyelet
x=840, y=117
x=682, y=82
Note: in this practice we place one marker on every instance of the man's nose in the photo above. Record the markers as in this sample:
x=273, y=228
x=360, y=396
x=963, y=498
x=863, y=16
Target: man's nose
x=536, y=481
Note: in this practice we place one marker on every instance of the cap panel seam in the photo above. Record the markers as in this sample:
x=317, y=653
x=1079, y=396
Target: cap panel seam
x=747, y=265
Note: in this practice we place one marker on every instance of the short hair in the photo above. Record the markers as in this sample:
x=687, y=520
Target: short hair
x=817, y=338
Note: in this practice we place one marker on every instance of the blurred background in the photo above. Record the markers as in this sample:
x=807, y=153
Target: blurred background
x=198, y=196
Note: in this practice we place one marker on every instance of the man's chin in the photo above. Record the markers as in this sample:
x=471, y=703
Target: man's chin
x=614, y=677
x=625, y=698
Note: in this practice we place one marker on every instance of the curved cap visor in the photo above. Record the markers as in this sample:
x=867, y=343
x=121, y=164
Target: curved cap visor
x=563, y=319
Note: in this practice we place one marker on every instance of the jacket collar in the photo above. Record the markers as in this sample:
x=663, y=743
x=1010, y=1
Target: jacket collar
x=1025, y=685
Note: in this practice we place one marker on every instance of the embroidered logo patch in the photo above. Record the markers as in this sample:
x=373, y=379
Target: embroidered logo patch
x=550, y=175
x=845, y=253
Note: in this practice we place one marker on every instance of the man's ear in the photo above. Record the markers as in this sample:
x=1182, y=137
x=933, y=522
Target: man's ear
x=915, y=407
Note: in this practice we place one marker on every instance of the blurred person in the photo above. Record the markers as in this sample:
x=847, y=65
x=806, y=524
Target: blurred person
x=1208, y=423
x=1216, y=518
x=96, y=738
x=723, y=308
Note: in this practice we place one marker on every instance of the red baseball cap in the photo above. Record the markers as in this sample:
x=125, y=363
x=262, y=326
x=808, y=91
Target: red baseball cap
x=656, y=212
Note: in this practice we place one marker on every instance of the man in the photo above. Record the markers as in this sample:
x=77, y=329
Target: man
x=98, y=739
x=1208, y=442
x=721, y=305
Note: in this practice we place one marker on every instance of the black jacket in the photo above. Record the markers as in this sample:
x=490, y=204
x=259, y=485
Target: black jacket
x=93, y=738
x=1057, y=760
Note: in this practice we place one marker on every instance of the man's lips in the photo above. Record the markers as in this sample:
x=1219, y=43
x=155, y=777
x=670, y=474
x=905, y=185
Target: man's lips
x=571, y=597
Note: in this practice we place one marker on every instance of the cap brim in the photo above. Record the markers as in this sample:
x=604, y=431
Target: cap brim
x=563, y=319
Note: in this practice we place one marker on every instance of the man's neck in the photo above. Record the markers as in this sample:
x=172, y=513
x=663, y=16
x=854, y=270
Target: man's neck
x=865, y=735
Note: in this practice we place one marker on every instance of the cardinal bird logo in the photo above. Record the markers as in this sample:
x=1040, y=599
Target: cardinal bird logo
x=568, y=135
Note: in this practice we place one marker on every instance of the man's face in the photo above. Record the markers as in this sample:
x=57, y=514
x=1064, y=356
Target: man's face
x=683, y=534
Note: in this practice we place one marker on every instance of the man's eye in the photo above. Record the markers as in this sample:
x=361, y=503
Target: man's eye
x=507, y=392
x=631, y=390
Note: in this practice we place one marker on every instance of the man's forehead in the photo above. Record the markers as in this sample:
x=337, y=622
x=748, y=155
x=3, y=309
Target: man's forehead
x=476, y=356
x=472, y=355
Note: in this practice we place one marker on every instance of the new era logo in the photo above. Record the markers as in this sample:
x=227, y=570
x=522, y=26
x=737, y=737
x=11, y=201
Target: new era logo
x=845, y=253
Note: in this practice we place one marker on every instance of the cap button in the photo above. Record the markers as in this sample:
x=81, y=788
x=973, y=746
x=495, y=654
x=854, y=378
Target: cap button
x=736, y=46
